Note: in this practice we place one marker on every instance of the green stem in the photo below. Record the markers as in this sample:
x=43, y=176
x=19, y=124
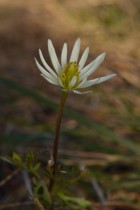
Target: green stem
x=56, y=138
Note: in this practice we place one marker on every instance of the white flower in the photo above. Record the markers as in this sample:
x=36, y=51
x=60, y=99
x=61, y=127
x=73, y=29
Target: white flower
x=71, y=75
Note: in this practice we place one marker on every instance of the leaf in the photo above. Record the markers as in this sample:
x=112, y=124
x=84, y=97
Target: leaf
x=41, y=192
x=36, y=167
x=81, y=202
x=17, y=160
x=16, y=156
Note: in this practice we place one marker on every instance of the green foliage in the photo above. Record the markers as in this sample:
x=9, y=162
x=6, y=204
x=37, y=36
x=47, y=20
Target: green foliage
x=16, y=157
x=40, y=179
x=41, y=192
x=73, y=202
x=26, y=163
x=17, y=160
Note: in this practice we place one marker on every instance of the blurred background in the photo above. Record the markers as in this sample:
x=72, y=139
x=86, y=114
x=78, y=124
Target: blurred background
x=102, y=128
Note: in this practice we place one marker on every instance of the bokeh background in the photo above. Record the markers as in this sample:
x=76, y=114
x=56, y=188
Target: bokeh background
x=101, y=129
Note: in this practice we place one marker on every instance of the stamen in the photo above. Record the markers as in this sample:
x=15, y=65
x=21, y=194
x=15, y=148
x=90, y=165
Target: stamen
x=67, y=74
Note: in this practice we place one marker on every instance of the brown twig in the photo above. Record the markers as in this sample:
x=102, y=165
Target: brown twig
x=37, y=201
x=13, y=205
x=9, y=177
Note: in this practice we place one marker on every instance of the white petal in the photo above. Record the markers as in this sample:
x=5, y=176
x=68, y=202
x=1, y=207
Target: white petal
x=81, y=93
x=90, y=68
x=64, y=55
x=59, y=80
x=83, y=58
x=72, y=82
x=46, y=73
x=97, y=81
x=65, y=90
x=75, y=51
x=46, y=65
x=49, y=80
x=82, y=83
x=53, y=56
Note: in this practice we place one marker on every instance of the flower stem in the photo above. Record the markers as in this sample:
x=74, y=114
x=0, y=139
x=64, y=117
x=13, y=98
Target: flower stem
x=56, y=139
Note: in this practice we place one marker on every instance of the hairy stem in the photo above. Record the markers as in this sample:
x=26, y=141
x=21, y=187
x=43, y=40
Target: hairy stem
x=56, y=139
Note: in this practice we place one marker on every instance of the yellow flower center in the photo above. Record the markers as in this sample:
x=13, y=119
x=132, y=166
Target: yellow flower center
x=67, y=74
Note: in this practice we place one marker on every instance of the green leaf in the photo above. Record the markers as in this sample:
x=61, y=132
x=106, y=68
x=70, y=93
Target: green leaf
x=36, y=167
x=16, y=156
x=17, y=160
x=79, y=203
x=41, y=192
